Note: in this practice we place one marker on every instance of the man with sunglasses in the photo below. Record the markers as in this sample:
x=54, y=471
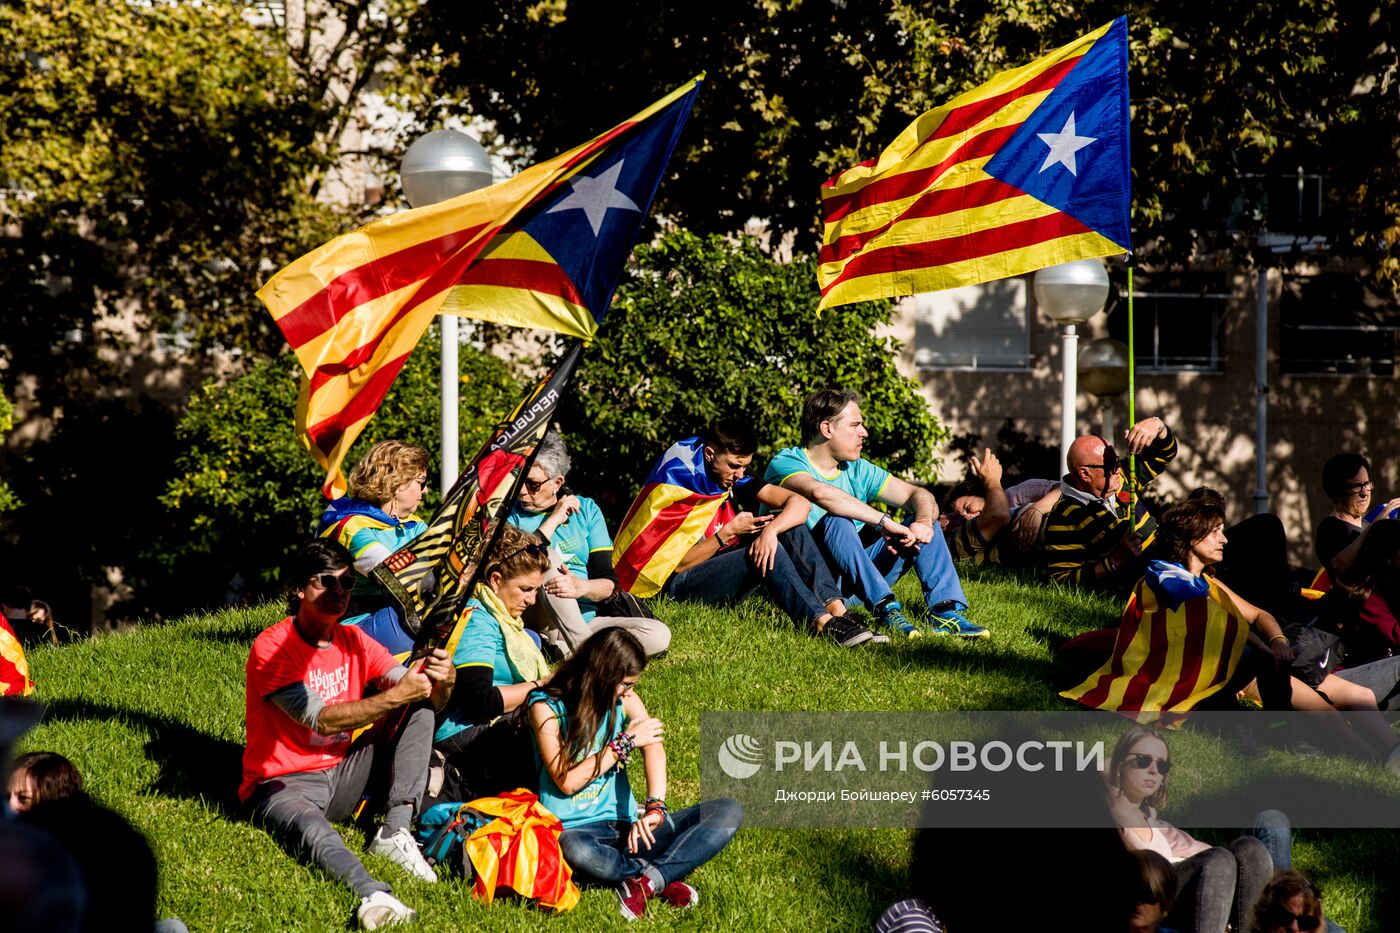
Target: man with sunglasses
x=1093, y=536
x=307, y=693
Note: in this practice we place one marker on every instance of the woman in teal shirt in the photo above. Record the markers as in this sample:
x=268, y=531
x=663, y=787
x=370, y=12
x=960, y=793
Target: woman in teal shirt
x=587, y=721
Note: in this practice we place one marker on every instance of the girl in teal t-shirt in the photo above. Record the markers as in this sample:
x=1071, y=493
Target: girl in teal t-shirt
x=586, y=723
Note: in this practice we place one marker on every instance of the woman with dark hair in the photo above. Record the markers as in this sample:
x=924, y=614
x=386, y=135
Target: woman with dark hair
x=41, y=776
x=1216, y=884
x=498, y=663
x=373, y=521
x=1346, y=478
x=1289, y=902
x=1156, y=894
x=587, y=722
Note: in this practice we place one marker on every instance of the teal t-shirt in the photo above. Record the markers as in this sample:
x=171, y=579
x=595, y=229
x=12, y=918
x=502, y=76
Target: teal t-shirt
x=482, y=645
x=584, y=533
x=607, y=797
x=860, y=478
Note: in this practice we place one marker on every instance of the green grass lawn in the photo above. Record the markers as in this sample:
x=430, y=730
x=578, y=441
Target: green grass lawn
x=154, y=719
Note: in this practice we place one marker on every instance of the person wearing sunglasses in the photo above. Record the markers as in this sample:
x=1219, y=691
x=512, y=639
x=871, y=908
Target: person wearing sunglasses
x=1216, y=884
x=498, y=662
x=1290, y=902
x=374, y=520
x=308, y=693
x=580, y=578
x=1093, y=536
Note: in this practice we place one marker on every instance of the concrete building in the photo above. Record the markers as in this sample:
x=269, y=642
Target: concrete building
x=985, y=354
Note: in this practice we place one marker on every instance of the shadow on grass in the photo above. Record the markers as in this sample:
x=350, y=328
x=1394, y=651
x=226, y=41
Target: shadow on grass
x=224, y=636
x=193, y=765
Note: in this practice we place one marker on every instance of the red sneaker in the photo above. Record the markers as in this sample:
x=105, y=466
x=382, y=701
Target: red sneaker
x=680, y=894
x=632, y=897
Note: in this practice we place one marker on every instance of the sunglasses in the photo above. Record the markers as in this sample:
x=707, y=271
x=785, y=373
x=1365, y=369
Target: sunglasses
x=1143, y=762
x=1110, y=462
x=1357, y=488
x=533, y=486
x=1283, y=917
x=342, y=582
x=535, y=549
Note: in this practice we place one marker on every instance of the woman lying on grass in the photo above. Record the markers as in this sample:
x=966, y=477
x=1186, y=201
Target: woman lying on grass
x=587, y=721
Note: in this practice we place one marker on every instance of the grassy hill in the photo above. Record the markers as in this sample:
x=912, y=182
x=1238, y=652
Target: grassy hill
x=154, y=719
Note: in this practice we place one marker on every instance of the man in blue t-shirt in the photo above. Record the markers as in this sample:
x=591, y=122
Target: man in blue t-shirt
x=581, y=572
x=828, y=470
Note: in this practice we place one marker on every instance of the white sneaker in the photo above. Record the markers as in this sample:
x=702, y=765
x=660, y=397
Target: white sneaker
x=382, y=909
x=400, y=849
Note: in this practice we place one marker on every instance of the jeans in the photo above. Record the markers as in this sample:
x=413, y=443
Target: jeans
x=1381, y=677
x=298, y=808
x=730, y=577
x=684, y=841
x=866, y=574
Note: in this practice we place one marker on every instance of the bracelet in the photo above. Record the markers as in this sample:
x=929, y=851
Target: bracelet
x=720, y=538
x=621, y=746
x=655, y=804
x=884, y=520
x=1280, y=635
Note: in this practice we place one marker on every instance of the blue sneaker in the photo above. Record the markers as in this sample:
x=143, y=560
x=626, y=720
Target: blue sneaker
x=953, y=622
x=892, y=615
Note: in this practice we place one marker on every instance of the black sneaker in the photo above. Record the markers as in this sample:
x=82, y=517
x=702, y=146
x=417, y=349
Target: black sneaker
x=847, y=632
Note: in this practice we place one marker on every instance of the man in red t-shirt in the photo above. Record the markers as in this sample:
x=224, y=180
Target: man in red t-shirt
x=307, y=680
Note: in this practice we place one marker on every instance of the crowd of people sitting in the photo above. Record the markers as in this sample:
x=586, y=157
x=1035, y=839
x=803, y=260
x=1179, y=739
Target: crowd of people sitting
x=537, y=689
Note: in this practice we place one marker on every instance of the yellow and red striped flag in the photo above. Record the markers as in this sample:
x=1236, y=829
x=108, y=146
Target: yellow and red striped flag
x=14, y=669
x=1023, y=172
x=543, y=249
x=1175, y=647
x=520, y=850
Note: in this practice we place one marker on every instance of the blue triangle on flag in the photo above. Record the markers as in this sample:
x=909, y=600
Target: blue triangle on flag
x=1072, y=151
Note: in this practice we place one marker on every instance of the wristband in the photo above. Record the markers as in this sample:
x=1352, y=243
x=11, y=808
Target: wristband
x=880, y=525
x=622, y=747
x=655, y=804
x=720, y=538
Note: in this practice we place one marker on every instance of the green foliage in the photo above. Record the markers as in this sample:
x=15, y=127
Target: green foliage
x=704, y=327
x=799, y=90
x=246, y=494
x=8, y=499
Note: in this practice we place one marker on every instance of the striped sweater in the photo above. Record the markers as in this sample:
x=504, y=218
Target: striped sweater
x=1081, y=531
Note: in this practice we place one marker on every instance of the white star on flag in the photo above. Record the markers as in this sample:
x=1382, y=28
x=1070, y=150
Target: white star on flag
x=1063, y=145
x=594, y=196
x=682, y=454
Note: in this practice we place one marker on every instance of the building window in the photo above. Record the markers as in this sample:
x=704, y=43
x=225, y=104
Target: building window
x=1176, y=328
x=1333, y=325
x=977, y=327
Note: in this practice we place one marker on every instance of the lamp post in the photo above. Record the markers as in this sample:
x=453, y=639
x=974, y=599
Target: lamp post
x=1070, y=293
x=1103, y=371
x=438, y=166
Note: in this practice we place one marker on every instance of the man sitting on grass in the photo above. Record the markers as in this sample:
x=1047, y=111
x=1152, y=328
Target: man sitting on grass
x=306, y=695
x=683, y=532
x=1091, y=539
x=828, y=470
x=977, y=513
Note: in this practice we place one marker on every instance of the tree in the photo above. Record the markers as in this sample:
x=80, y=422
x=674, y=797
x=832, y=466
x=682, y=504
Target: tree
x=704, y=327
x=245, y=493
x=797, y=91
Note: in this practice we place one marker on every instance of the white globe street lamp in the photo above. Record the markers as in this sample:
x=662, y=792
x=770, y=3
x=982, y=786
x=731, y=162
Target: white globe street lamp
x=1070, y=293
x=1103, y=372
x=439, y=166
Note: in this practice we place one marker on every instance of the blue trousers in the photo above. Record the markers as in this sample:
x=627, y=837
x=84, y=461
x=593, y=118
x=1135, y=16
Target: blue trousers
x=800, y=581
x=867, y=574
x=685, y=840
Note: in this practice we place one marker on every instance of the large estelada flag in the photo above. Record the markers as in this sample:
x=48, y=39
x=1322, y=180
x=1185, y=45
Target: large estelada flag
x=520, y=850
x=14, y=668
x=680, y=503
x=542, y=249
x=1179, y=642
x=1026, y=171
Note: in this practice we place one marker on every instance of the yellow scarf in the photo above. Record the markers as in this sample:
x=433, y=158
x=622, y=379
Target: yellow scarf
x=525, y=658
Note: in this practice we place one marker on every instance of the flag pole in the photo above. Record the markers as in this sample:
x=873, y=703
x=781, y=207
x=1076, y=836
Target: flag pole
x=1132, y=407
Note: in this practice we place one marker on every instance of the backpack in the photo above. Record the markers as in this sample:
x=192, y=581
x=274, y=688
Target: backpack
x=443, y=831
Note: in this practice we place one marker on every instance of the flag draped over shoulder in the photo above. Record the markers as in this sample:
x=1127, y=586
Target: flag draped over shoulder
x=1179, y=642
x=520, y=850
x=679, y=504
x=1023, y=172
x=542, y=249
x=14, y=668
x=425, y=577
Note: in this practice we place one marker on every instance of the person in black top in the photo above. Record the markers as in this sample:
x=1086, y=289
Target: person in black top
x=1346, y=478
x=749, y=550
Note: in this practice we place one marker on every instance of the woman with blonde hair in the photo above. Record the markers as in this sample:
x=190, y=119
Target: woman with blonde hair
x=374, y=520
x=498, y=663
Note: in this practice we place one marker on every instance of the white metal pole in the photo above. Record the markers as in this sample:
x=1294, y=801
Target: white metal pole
x=1261, y=396
x=449, y=400
x=1110, y=419
x=1069, y=353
